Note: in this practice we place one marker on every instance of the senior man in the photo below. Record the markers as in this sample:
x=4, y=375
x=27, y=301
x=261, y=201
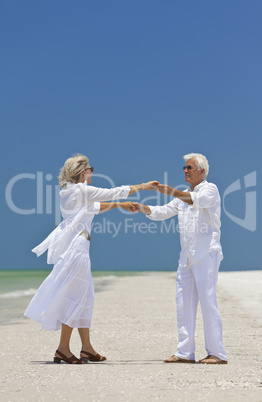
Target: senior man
x=198, y=209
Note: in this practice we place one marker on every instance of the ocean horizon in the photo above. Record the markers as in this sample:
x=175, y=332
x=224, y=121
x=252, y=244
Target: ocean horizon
x=173, y=269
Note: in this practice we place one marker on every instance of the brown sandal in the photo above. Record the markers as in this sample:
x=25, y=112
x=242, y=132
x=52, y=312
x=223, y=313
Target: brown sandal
x=211, y=359
x=176, y=359
x=92, y=358
x=69, y=360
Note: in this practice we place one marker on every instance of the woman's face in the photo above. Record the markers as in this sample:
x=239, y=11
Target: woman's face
x=86, y=175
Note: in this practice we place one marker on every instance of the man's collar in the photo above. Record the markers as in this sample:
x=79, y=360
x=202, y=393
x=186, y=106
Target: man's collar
x=198, y=186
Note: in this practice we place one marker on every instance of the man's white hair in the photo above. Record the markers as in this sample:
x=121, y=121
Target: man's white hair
x=201, y=162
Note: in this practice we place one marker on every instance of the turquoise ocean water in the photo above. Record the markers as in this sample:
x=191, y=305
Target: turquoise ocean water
x=18, y=287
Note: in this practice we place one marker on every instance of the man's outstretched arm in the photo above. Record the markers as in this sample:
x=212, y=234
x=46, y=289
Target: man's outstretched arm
x=182, y=195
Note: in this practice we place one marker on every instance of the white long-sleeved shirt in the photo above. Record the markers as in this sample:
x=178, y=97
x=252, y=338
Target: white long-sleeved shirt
x=79, y=203
x=199, y=223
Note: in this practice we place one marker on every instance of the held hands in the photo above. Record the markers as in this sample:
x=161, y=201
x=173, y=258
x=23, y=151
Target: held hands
x=151, y=185
x=128, y=205
x=135, y=207
x=142, y=208
x=155, y=185
x=131, y=206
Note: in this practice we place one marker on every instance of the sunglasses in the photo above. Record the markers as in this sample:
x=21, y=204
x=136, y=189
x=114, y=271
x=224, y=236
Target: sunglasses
x=90, y=168
x=188, y=167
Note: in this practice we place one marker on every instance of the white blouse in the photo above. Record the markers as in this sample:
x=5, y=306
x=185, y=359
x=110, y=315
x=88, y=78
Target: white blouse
x=79, y=203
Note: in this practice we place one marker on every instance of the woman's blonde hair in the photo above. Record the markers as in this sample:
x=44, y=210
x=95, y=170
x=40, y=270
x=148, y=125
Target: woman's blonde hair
x=72, y=169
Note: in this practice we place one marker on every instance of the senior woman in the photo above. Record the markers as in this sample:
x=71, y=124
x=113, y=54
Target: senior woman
x=65, y=300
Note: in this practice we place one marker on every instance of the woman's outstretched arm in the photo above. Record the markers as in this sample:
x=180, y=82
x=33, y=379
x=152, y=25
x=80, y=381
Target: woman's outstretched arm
x=107, y=206
x=151, y=185
x=93, y=194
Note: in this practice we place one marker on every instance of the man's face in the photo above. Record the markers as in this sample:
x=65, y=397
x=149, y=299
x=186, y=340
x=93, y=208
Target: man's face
x=192, y=174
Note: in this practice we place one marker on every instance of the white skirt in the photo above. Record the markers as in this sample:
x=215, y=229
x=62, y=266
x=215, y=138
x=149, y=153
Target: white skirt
x=67, y=295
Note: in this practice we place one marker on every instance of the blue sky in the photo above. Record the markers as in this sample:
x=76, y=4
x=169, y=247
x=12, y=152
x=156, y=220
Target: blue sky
x=134, y=86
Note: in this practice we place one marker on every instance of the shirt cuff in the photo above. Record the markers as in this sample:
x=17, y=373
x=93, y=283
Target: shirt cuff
x=93, y=208
x=150, y=216
x=96, y=207
x=126, y=191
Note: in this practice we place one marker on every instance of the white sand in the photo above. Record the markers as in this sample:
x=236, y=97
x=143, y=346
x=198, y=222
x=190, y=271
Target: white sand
x=134, y=325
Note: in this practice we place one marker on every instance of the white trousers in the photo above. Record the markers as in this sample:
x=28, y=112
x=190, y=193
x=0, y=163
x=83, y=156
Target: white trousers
x=198, y=283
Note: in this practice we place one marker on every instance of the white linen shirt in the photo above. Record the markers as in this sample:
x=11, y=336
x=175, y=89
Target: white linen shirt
x=79, y=203
x=199, y=223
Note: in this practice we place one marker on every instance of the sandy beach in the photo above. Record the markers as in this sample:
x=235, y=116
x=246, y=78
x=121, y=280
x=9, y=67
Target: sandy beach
x=134, y=325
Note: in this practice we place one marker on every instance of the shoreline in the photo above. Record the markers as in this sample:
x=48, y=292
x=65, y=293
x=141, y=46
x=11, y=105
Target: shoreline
x=17, y=291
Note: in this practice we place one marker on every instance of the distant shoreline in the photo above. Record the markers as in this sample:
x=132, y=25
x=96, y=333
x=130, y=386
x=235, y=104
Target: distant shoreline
x=101, y=271
x=14, y=280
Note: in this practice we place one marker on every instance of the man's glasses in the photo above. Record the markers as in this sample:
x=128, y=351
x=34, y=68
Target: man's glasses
x=188, y=167
x=90, y=168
